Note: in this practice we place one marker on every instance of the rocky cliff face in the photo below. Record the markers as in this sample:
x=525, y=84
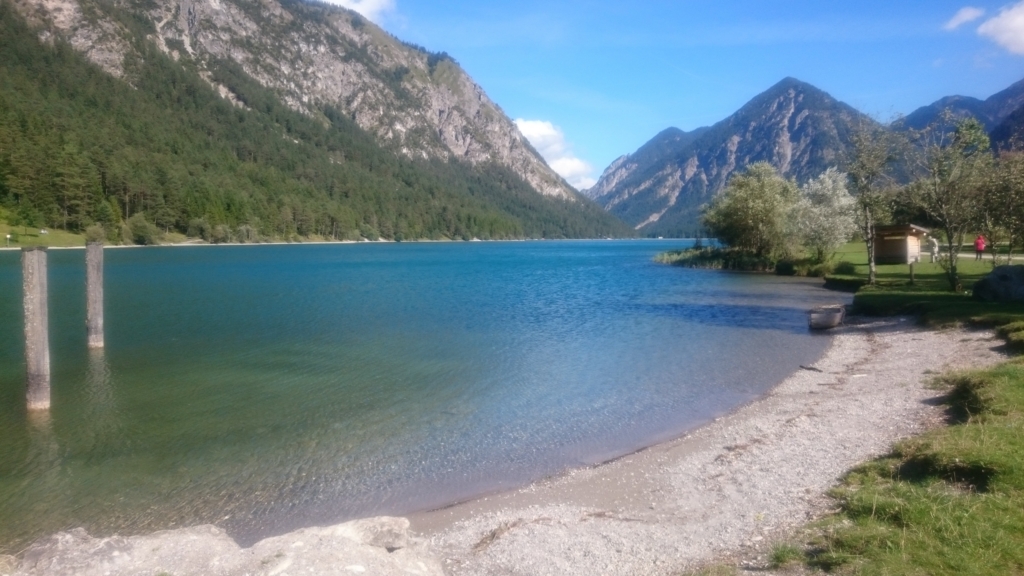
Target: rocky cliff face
x=314, y=56
x=799, y=129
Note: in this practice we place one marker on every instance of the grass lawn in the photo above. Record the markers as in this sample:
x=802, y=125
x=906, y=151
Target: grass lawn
x=22, y=236
x=929, y=297
x=927, y=276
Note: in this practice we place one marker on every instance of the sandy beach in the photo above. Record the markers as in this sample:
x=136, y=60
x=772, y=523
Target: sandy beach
x=728, y=489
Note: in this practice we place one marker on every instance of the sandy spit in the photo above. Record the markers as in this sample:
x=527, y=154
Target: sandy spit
x=728, y=489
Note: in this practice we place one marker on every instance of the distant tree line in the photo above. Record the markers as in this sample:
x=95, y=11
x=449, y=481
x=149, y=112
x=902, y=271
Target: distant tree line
x=161, y=151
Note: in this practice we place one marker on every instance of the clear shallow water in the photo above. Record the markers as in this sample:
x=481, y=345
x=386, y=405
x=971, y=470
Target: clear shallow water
x=268, y=388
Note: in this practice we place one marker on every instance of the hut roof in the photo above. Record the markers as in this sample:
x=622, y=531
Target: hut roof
x=906, y=229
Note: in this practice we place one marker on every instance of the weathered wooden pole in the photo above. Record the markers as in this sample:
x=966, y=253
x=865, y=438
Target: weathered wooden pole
x=37, y=333
x=94, y=293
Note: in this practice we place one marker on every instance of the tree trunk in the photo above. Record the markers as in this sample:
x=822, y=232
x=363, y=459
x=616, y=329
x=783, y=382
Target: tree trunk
x=954, y=255
x=869, y=239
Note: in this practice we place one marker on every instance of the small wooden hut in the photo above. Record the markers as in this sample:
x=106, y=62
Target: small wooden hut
x=898, y=244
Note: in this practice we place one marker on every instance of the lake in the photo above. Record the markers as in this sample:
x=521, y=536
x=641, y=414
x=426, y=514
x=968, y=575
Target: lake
x=266, y=388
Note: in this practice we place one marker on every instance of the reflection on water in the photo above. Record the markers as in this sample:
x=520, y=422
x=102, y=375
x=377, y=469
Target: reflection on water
x=43, y=452
x=101, y=425
x=267, y=388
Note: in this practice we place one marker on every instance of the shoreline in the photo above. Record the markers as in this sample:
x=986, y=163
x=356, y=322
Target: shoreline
x=342, y=242
x=729, y=488
x=726, y=489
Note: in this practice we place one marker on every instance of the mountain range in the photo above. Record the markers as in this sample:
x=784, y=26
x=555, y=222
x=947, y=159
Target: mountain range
x=798, y=128
x=991, y=111
x=289, y=118
x=282, y=116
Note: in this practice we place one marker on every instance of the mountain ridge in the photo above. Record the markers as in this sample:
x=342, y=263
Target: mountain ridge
x=991, y=111
x=797, y=127
x=210, y=151
x=315, y=55
x=1010, y=132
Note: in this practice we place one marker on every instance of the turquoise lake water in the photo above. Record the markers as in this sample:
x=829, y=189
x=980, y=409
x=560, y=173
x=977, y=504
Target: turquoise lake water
x=266, y=388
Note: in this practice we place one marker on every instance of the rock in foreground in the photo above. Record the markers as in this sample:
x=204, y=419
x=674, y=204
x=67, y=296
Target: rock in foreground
x=372, y=546
x=1003, y=284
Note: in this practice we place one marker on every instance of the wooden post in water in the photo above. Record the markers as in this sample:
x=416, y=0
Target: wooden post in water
x=37, y=333
x=94, y=293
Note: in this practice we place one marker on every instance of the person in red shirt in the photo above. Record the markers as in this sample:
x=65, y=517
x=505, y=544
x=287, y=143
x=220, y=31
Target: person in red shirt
x=979, y=247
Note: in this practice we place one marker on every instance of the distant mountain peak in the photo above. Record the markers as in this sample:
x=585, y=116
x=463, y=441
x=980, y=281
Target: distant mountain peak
x=791, y=82
x=799, y=128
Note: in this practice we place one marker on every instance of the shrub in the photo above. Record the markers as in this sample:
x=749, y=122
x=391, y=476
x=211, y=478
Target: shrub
x=141, y=231
x=95, y=233
x=717, y=259
x=199, y=228
x=845, y=268
x=820, y=270
x=246, y=233
x=220, y=234
x=785, y=268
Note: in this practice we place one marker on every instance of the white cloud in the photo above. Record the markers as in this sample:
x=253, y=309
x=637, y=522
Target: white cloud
x=1007, y=28
x=549, y=140
x=965, y=15
x=371, y=9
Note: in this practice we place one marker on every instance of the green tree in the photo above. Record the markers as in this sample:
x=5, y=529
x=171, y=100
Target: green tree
x=876, y=153
x=953, y=166
x=1003, y=202
x=142, y=231
x=77, y=184
x=753, y=212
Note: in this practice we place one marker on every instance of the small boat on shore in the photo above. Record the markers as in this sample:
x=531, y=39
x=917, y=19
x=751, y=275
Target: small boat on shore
x=825, y=317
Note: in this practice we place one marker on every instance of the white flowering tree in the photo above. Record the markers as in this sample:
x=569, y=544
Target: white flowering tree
x=825, y=215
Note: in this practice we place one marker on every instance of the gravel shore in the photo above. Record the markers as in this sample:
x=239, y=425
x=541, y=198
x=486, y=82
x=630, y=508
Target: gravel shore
x=728, y=489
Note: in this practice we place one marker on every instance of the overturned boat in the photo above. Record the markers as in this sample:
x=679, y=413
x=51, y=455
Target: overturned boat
x=824, y=317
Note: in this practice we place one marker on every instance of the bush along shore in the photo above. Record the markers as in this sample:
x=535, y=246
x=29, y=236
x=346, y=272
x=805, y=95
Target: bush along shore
x=715, y=258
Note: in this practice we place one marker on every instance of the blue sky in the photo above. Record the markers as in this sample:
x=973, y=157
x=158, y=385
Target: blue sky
x=595, y=80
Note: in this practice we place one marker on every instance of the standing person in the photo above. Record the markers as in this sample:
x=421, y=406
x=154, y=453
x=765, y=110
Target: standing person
x=979, y=247
x=933, y=245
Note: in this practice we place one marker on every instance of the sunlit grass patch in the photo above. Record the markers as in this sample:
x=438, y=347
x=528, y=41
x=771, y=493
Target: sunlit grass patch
x=948, y=502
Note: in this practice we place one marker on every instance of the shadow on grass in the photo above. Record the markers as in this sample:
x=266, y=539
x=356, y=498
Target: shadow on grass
x=934, y=308
x=924, y=470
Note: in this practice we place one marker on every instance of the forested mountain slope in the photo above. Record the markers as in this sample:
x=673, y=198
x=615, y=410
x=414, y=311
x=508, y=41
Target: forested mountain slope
x=183, y=135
